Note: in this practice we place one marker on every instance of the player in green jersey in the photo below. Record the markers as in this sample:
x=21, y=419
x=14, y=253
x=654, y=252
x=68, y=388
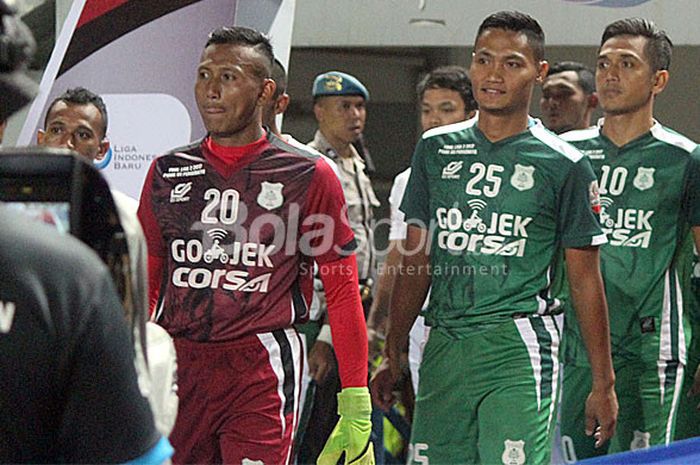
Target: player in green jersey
x=490, y=204
x=688, y=417
x=649, y=181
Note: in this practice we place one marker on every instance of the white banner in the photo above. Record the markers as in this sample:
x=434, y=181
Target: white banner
x=141, y=57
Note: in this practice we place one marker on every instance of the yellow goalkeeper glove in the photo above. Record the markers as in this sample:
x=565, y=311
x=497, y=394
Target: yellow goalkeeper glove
x=351, y=434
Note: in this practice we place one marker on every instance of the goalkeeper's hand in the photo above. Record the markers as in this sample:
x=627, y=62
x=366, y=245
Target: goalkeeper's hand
x=351, y=434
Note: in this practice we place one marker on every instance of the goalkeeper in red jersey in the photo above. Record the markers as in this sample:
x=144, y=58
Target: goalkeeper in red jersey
x=234, y=223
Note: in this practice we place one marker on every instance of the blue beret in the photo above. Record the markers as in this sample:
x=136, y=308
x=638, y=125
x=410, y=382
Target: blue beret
x=337, y=83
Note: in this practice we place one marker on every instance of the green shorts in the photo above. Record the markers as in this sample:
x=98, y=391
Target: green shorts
x=574, y=444
x=648, y=395
x=489, y=397
x=688, y=416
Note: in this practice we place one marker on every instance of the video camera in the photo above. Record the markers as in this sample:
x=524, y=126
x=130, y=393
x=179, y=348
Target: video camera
x=59, y=188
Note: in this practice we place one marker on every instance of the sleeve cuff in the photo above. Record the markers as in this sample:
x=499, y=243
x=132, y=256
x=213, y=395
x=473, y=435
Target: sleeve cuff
x=587, y=241
x=156, y=455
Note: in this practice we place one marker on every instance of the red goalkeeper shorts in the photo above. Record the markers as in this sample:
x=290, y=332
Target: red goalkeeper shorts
x=238, y=400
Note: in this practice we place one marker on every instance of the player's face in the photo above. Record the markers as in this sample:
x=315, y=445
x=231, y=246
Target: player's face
x=625, y=81
x=564, y=103
x=440, y=106
x=341, y=118
x=504, y=71
x=75, y=127
x=231, y=90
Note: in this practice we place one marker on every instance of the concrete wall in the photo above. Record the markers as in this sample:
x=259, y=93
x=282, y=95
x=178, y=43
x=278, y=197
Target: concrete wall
x=392, y=74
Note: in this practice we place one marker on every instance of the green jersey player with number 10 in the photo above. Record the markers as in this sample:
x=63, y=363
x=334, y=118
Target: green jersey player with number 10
x=499, y=196
x=649, y=178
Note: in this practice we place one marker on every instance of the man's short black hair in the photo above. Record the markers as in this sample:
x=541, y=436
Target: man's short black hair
x=81, y=96
x=239, y=35
x=279, y=75
x=449, y=77
x=517, y=22
x=658, y=47
x=586, y=76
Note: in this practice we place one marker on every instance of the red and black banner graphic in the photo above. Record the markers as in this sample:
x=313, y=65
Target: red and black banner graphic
x=103, y=21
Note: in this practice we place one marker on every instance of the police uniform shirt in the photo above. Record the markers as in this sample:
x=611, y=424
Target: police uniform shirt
x=360, y=199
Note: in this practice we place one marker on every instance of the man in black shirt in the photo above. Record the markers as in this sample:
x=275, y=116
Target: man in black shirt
x=67, y=376
x=68, y=384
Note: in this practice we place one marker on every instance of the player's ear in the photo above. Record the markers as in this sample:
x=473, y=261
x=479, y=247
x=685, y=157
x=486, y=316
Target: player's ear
x=318, y=109
x=104, y=147
x=268, y=90
x=40, y=134
x=593, y=100
x=542, y=70
x=659, y=81
x=281, y=104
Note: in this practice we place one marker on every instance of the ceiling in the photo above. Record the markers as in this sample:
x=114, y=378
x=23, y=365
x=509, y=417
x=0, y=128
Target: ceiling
x=401, y=23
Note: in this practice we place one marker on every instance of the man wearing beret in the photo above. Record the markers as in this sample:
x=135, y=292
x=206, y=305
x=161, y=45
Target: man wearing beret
x=340, y=109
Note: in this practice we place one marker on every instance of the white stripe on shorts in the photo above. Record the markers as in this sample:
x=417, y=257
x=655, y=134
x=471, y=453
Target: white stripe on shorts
x=529, y=337
x=297, y=354
x=680, y=370
x=551, y=324
x=665, y=330
x=274, y=355
x=681, y=331
x=665, y=342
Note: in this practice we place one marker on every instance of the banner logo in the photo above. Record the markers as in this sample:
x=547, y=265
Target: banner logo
x=104, y=163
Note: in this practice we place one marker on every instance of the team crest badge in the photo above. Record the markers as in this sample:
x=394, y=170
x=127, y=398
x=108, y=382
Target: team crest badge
x=640, y=440
x=270, y=196
x=513, y=453
x=522, y=178
x=644, y=179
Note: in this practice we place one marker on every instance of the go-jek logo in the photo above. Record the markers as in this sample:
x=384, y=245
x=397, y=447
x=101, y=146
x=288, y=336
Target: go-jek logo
x=104, y=163
x=609, y=3
x=498, y=234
